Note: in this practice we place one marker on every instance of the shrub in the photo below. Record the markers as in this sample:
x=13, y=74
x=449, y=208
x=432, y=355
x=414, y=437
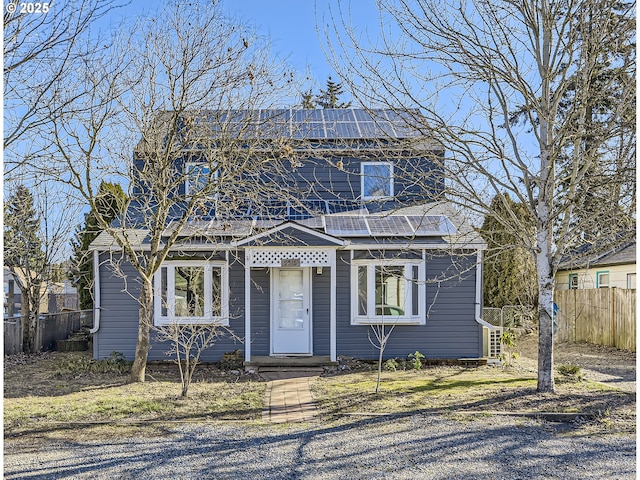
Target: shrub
x=416, y=361
x=571, y=372
x=390, y=365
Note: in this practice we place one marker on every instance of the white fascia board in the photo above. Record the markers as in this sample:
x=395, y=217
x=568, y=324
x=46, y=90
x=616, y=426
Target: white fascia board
x=412, y=246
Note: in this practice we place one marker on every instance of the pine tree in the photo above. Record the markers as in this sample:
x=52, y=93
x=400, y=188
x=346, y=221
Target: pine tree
x=111, y=200
x=308, y=100
x=329, y=98
x=25, y=258
x=509, y=270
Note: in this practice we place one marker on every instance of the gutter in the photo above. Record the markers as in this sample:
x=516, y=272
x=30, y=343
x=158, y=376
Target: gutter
x=479, y=293
x=96, y=292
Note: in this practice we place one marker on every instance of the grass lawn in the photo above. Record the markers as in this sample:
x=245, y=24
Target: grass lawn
x=58, y=391
x=65, y=387
x=458, y=389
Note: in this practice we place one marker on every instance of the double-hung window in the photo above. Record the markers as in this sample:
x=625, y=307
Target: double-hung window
x=191, y=291
x=376, y=180
x=198, y=175
x=388, y=291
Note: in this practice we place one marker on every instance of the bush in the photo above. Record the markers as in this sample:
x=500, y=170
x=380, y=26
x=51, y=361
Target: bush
x=390, y=365
x=416, y=361
x=571, y=372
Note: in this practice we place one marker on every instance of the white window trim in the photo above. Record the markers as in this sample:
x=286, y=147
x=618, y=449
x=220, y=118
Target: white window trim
x=363, y=178
x=598, y=283
x=357, y=319
x=573, y=276
x=187, y=184
x=631, y=278
x=208, y=317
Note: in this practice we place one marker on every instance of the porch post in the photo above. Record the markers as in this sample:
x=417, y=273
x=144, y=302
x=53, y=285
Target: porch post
x=247, y=306
x=332, y=308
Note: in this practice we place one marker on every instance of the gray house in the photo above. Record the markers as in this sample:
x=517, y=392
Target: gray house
x=360, y=235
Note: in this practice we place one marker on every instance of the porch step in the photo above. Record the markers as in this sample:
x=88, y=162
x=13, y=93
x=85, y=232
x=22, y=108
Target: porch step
x=77, y=341
x=266, y=364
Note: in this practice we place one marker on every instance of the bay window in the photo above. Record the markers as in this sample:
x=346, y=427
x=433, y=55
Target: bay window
x=191, y=291
x=388, y=291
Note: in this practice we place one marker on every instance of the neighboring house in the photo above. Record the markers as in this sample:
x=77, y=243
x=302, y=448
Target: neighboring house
x=605, y=269
x=374, y=243
x=12, y=299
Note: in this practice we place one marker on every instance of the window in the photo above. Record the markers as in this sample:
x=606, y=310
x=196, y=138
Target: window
x=631, y=280
x=602, y=280
x=388, y=292
x=191, y=291
x=198, y=176
x=573, y=281
x=377, y=180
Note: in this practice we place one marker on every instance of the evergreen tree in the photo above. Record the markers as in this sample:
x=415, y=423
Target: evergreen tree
x=308, y=100
x=329, y=98
x=509, y=270
x=110, y=201
x=605, y=86
x=26, y=259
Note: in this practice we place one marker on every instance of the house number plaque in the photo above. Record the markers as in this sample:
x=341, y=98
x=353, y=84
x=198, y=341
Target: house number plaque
x=290, y=262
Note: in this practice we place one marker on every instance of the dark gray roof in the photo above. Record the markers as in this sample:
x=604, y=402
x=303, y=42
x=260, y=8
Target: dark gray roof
x=623, y=254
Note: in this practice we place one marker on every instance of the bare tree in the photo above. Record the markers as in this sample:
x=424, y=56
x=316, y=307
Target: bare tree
x=41, y=50
x=36, y=230
x=182, y=83
x=188, y=341
x=469, y=67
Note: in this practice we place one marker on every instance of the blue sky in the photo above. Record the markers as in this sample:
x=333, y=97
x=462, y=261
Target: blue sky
x=291, y=26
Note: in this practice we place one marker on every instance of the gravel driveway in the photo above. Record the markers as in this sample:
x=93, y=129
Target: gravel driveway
x=417, y=447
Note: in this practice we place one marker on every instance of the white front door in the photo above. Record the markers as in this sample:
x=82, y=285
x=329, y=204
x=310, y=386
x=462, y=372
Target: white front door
x=290, y=311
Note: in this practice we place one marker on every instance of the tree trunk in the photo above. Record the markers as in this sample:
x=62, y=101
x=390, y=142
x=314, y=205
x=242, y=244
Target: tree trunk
x=29, y=318
x=545, y=325
x=139, y=366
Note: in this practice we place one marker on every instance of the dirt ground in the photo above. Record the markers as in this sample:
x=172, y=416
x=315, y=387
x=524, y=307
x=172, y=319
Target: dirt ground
x=599, y=363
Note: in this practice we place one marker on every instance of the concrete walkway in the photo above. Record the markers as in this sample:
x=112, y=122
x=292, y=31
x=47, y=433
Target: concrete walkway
x=288, y=397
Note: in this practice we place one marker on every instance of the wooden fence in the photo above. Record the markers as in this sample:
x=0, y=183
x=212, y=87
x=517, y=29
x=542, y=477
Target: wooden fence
x=51, y=328
x=603, y=316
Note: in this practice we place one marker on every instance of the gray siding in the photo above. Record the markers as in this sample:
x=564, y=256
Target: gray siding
x=119, y=310
x=450, y=331
x=415, y=179
x=260, y=311
x=321, y=293
x=119, y=316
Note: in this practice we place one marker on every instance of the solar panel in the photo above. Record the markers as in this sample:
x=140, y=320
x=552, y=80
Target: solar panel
x=338, y=114
x=313, y=222
x=345, y=225
x=432, y=225
x=390, y=225
x=332, y=123
x=269, y=209
x=302, y=209
x=217, y=228
x=343, y=206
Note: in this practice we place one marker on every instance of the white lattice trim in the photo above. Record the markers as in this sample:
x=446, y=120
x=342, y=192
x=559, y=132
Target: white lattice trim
x=272, y=257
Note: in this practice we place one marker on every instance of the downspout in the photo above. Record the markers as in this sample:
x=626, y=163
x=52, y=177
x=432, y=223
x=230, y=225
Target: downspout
x=479, y=292
x=96, y=292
